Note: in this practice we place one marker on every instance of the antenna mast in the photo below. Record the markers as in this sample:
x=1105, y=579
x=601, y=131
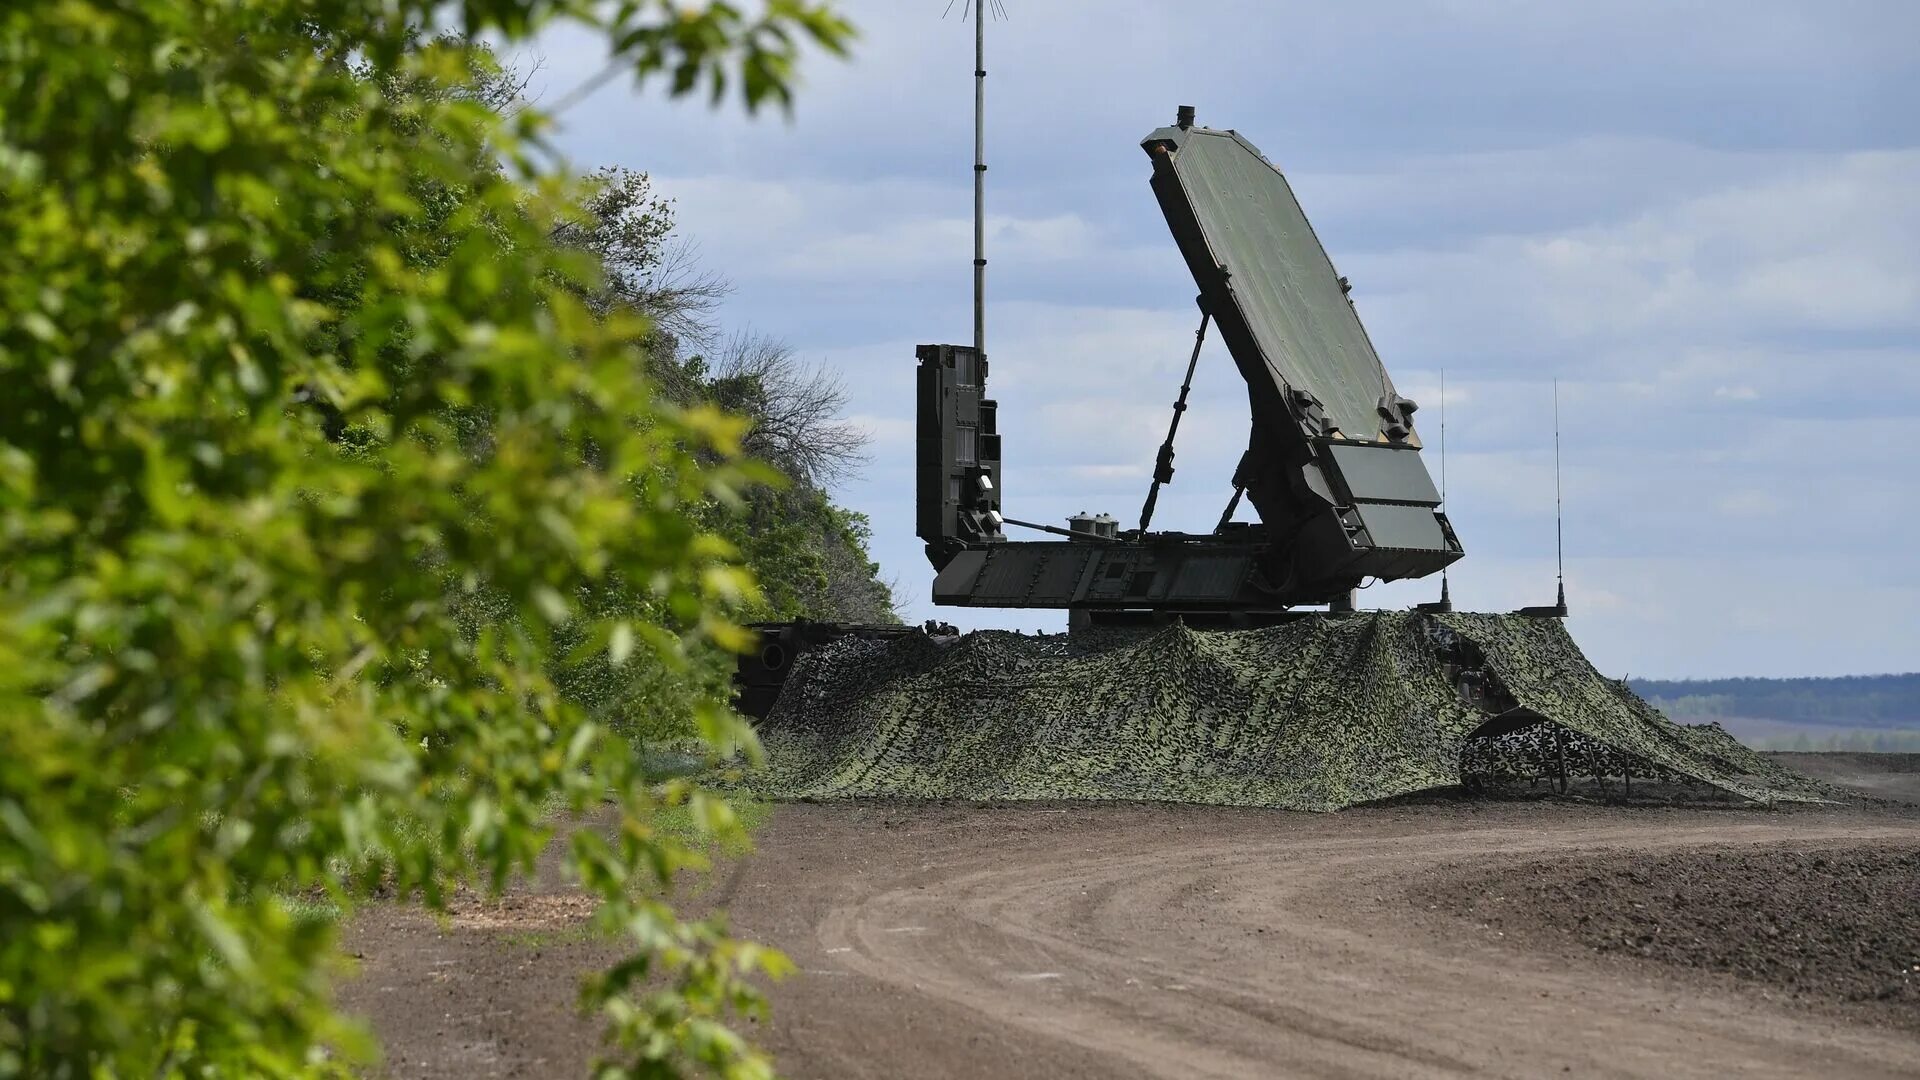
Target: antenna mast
x=1443, y=443
x=1559, y=550
x=1559, y=608
x=1445, y=597
x=1445, y=603
x=979, y=178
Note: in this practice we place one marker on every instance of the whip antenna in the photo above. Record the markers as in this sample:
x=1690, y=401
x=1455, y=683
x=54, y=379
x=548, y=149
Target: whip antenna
x=1445, y=597
x=1558, y=610
x=1445, y=603
x=1559, y=548
x=979, y=8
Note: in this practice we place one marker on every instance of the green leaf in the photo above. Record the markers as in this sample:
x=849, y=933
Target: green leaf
x=333, y=461
x=552, y=604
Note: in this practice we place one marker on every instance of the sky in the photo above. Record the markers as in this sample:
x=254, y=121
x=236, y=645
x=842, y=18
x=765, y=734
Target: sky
x=1701, y=218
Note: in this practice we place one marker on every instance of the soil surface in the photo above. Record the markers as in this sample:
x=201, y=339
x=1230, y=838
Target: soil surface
x=1884, y=776
x=1149, y=940
x=1826, y=926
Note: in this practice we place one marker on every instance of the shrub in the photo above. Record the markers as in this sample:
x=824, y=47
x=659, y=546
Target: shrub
x=276, y=614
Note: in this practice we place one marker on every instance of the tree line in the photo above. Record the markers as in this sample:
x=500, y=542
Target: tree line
x=1856, y=701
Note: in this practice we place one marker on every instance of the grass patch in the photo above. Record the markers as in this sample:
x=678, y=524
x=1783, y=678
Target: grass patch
x=310, y=910
x=677, y=823
x=576, y=934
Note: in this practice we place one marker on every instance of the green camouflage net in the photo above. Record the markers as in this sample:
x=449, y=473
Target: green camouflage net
x=1314, y=714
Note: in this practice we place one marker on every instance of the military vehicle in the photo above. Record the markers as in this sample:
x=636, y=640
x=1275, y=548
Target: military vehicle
x=1332, y=466
x=1301, y=702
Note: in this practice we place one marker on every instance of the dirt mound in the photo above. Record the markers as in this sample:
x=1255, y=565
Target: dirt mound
x=1824, y=925
x=1315, y=714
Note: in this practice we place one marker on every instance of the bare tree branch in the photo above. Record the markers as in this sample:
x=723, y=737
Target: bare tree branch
x=795, y=409
x=679, y=295
x=629, y=230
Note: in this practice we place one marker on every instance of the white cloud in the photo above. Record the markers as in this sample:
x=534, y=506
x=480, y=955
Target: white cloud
x=1750, y=504
x=884, y=432
x=1709, y=234
x=1689, y=617
x=1129, y=472
x=918, y=245
x=1828, y=247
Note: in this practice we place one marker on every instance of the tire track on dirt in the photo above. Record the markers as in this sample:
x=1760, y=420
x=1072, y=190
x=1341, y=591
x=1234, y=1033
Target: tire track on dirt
x=1295, y=954
x=1107, y=942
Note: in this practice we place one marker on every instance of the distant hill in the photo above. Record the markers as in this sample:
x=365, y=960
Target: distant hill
x=1860, y=712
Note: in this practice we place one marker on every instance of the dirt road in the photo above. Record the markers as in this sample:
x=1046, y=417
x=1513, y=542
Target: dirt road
x=1105, y=941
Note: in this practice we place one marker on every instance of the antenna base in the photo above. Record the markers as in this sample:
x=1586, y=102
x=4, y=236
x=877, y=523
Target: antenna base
x=1437, y=607
x=1556, y=610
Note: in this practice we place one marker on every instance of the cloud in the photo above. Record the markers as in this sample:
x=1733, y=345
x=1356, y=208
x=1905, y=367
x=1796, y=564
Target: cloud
x=1702, y=226
x=1691, y=394
x=884, y=432
x=856, y=231
x=916, y=245
x=1688, y=617
x=1826, y=248
x=1069, y=84
x=1750, y=503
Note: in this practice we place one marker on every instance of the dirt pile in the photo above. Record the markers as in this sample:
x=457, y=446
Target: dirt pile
x=1830, y=925
x=1315, y=714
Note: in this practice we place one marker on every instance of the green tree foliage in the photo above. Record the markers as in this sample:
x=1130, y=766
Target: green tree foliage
x=647, y=269
x=809, y=555
x=812, y=556
x=275, y=613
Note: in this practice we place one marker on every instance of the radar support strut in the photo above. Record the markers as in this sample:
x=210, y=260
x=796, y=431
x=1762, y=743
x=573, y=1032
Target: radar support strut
x=1163, y=466
x=1226, y=516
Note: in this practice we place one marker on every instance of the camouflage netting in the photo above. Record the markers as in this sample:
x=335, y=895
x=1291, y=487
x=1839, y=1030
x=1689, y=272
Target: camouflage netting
x=1315, y=714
